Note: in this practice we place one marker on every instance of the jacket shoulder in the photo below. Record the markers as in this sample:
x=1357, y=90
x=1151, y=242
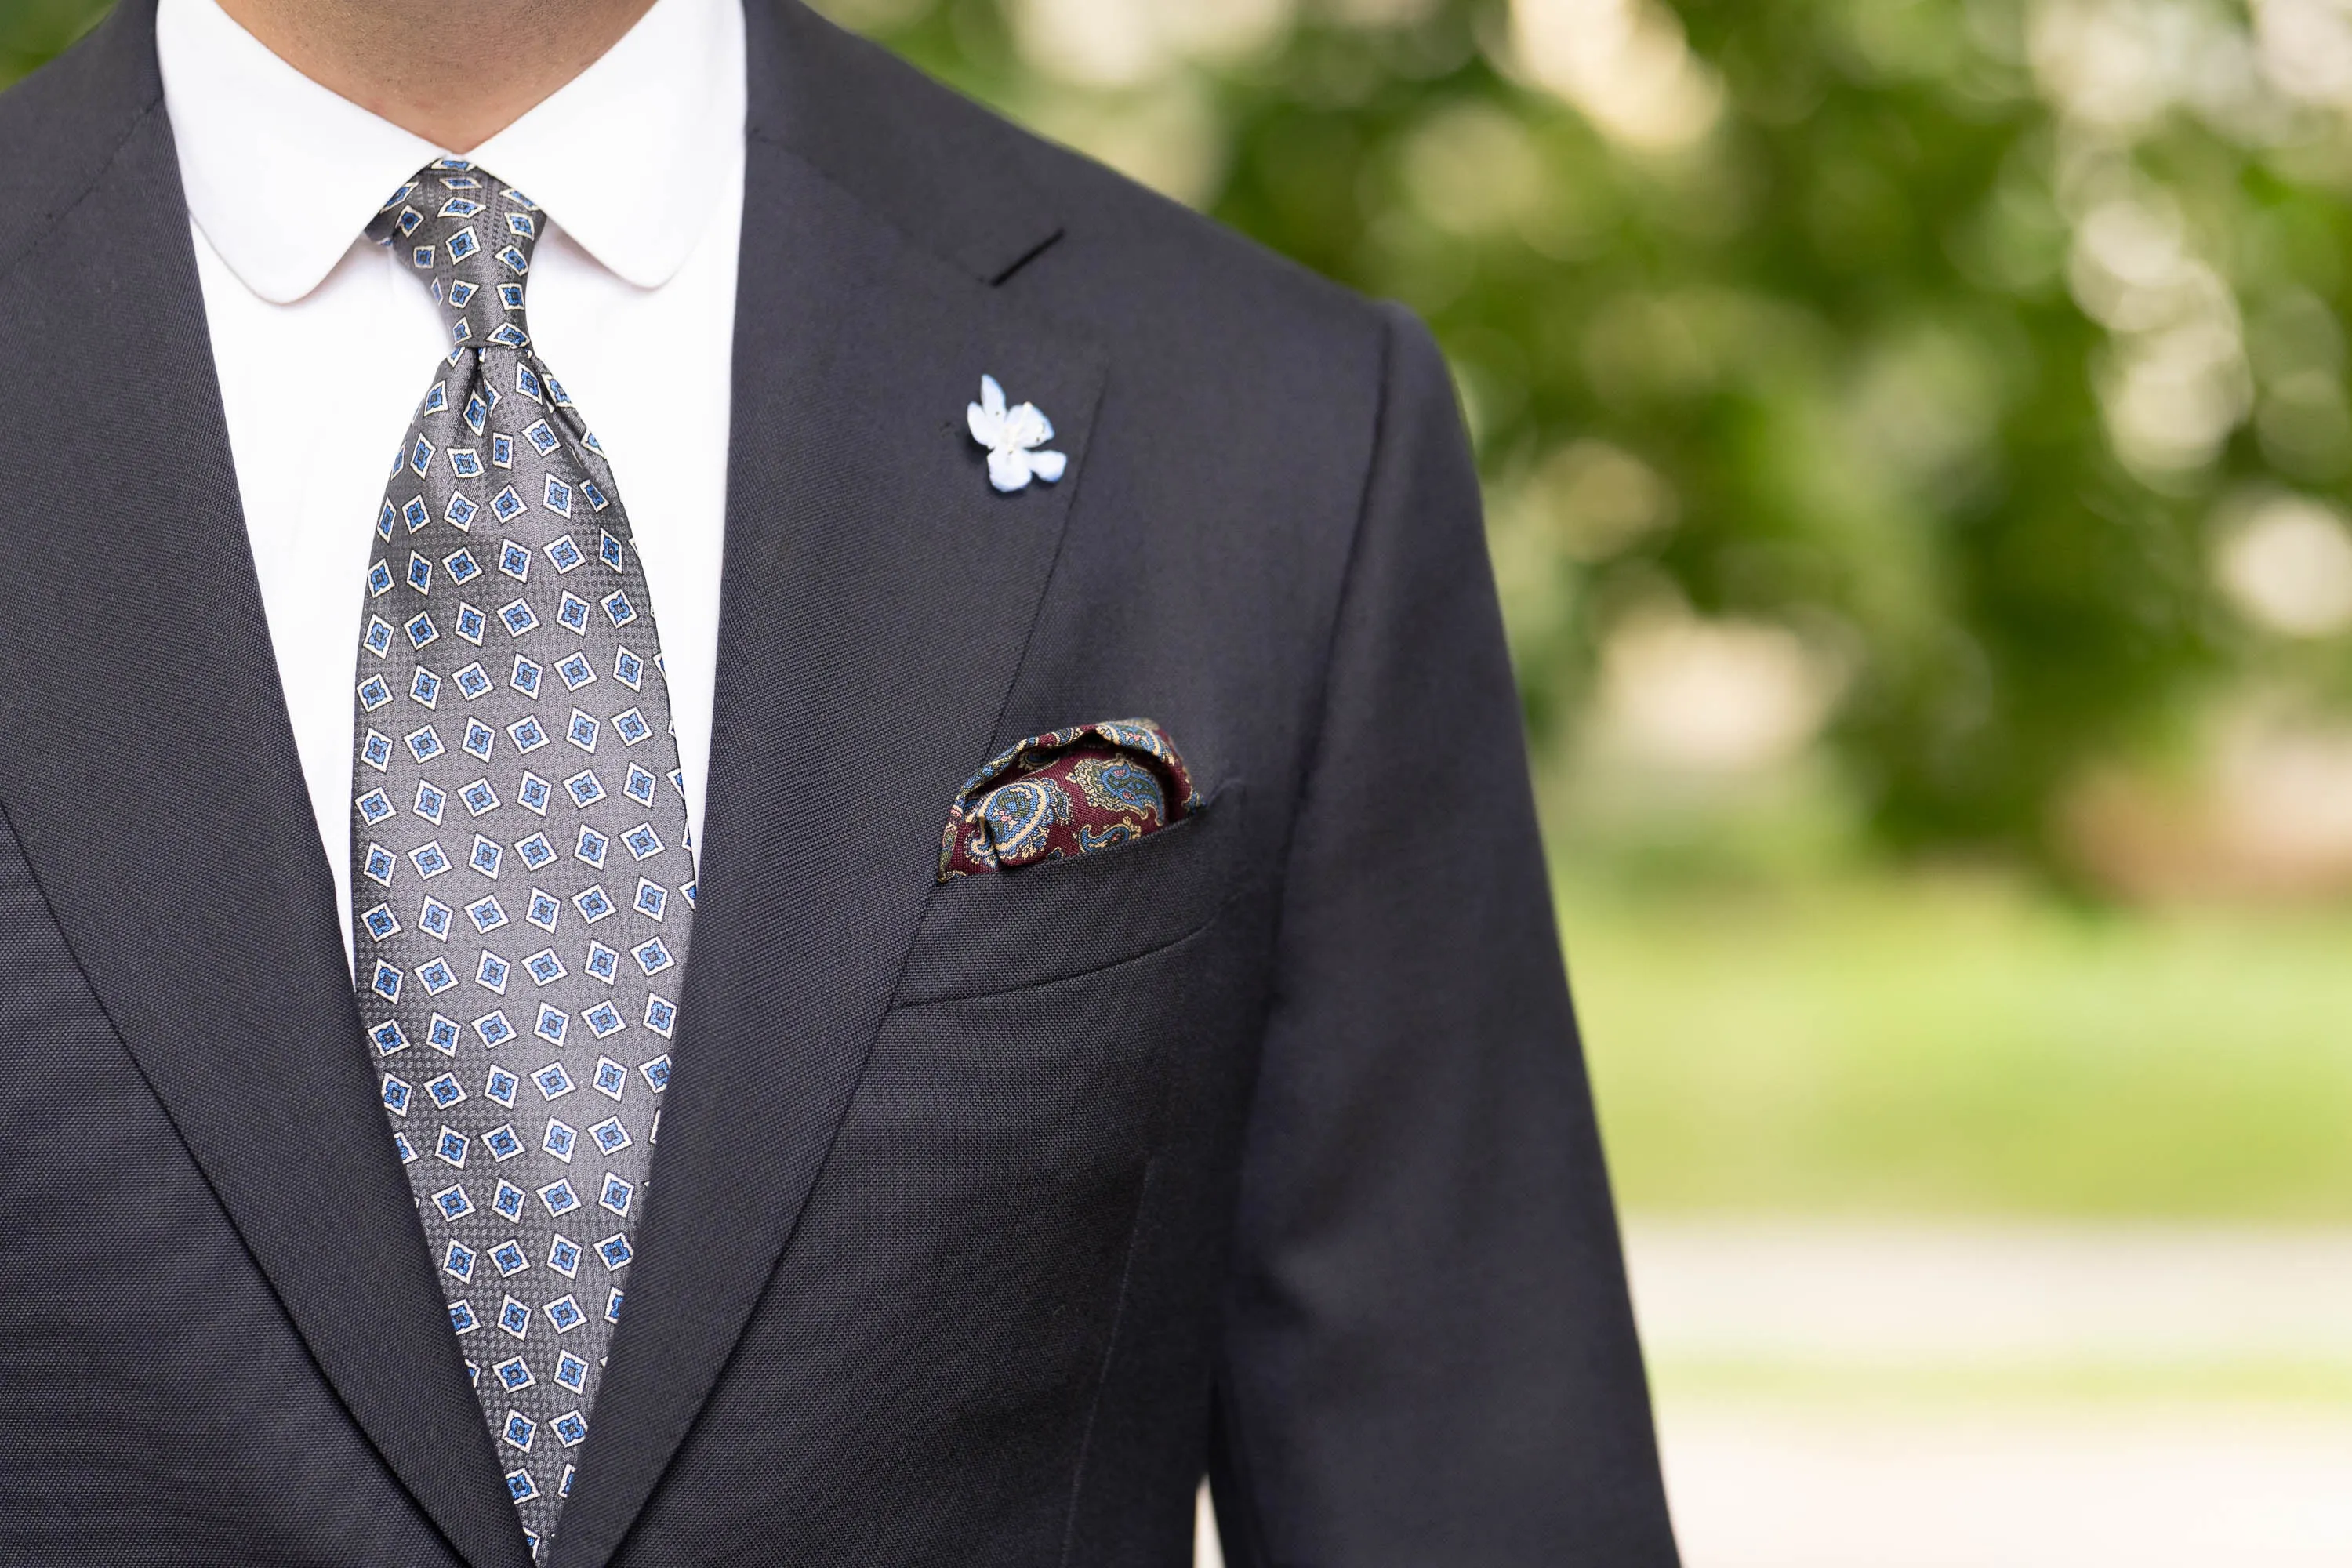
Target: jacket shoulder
x=1081, y=241
x=1177, y=271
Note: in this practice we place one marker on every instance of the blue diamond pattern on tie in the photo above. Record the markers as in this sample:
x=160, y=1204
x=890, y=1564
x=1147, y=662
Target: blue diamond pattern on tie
x=522, y=882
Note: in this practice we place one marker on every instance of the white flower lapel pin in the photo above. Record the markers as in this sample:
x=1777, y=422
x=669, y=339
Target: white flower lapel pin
x=1013, y=437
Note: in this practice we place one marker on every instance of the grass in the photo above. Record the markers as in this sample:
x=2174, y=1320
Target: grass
x=1941, y=1047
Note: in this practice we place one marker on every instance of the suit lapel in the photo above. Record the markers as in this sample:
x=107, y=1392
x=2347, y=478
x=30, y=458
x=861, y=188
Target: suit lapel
x=876, y=600
x=147, y=764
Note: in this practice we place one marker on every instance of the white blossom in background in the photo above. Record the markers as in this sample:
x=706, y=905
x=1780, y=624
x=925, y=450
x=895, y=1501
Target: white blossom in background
x=1132, y=79
x=1378, y=13
x=1598, y=499
x=1711, y=696
x=2119, y=66
x=2286, y=564
x=1165, y=135
x=1625, y=63
x=1474, y=169
x=2131, y=268
x=2305, y=48
x=2171, y=399
x=1115, y=44
x=2175, y=383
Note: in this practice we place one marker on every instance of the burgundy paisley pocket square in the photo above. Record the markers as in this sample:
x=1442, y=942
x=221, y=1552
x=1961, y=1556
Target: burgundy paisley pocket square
x=1067, y=792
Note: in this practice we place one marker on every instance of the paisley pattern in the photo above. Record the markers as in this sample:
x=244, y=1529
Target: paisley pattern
x=1093, y=839
x=1021, y=818
x=1064, y=792
x=1114, y=784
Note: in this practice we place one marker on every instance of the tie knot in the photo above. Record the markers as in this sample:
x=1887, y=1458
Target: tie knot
x=473, y=236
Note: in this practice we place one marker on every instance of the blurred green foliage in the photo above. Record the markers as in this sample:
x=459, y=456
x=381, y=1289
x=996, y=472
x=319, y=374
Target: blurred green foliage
x=1936, y=337
x=33, y=30
x=1957, y=1046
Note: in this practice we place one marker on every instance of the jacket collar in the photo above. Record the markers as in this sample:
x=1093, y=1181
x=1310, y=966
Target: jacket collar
x=946, y=174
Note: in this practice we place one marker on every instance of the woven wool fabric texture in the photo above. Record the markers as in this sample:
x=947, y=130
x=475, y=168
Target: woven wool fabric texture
x=521, y=880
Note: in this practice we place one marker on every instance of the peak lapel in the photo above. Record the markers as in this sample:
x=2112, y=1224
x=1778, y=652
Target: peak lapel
x=148, y=767
x=878, y=595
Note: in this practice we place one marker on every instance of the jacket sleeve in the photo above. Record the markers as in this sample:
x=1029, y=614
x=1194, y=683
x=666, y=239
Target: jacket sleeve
x=1427, y=1353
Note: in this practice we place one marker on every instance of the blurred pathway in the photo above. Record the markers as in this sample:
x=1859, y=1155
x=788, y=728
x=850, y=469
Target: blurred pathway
x=1876, y=1397
x=2142, y=1298
x=2179, y=1487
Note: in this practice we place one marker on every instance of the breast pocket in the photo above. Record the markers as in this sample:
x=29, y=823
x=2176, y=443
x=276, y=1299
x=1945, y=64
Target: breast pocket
x=1006, y=929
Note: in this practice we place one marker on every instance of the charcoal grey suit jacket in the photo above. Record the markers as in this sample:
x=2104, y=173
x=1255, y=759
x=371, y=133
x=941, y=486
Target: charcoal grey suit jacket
x=986, y=1216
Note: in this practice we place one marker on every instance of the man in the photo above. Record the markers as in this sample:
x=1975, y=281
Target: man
x=1111, y=1026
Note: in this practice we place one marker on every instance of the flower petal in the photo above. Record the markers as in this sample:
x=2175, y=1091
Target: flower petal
x=1008, y=469
x=1048, y=466
x=987, y=428
x=991, y=396
x=1028, y=426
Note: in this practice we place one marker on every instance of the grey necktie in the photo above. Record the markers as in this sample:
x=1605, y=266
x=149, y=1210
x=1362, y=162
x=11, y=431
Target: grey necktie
x=522, y=882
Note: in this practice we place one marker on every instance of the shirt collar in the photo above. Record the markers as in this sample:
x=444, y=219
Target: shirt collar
x=282, y=175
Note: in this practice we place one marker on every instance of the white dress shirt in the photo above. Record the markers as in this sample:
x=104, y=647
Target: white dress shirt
x=325, y=343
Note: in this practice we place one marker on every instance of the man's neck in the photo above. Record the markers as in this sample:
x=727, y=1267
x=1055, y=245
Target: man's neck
x=454, y=72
